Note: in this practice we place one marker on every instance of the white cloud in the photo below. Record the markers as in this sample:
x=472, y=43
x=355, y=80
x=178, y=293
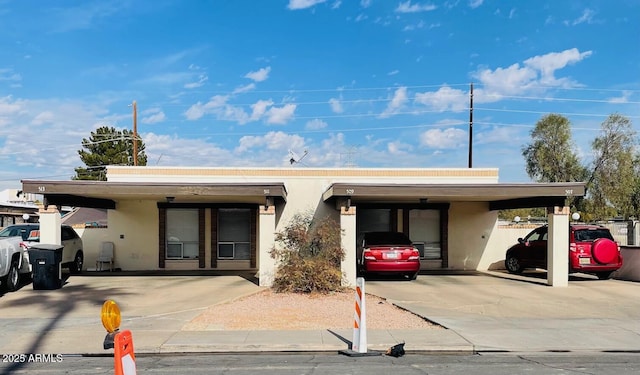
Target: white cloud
x=397, y=102
x=537, y=73
x=407, y=7
x=624, y=98
x=475, y=3
x=45, y=117
x=233, y=113
x=336, y=105
x=9, y=106
x=586, y=17
x=315, y=124
x=443, y=139
x=549, y=63
x=361, y=17
x=271, y=141
x=9, y=75
x=393, y=72
x=198, y=110
x=512, y=13
x=259, y=75
x=398, y=148
x=365, y=3
x=513, y=79
x=446, y=98
x=259, y=108
x=245, y=88
x=500, y=135
x=303, y=4
x=195, y=112
x=201, y=80
x=154, y=118
x=418, y=25
x=218, y=107
x=280, y=115
x=336, y=4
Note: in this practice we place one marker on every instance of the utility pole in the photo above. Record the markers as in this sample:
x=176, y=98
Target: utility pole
x=135, y=134
x=471, y=126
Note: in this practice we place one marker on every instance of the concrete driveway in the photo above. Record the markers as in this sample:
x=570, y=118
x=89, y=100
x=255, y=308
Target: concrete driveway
x=68, y=320
x=483, y=312
x=496, y=311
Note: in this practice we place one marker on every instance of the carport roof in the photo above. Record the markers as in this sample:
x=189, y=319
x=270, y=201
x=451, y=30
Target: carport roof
x=104, y=194
x=499, y=195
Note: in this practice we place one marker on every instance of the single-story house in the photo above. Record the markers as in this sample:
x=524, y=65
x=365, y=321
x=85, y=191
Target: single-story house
x=192, y=218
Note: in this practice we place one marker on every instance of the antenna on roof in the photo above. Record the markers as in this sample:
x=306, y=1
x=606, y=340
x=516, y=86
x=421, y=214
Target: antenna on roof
x=295, y=159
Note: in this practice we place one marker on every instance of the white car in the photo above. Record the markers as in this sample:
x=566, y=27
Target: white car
x=72, y=253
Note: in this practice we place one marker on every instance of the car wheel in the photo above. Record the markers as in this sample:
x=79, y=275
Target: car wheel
x=604, y=275
x=412, y=276
x=13, y=277
x=513, y=264
x=78, y=262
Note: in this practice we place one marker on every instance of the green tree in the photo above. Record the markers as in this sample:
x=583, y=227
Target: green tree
x=551, y=156
x=107, y=146
x=613, y=179
x=523, y=213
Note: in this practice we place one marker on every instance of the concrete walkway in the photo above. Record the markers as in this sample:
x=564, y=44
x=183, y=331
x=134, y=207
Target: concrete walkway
x=482, y=312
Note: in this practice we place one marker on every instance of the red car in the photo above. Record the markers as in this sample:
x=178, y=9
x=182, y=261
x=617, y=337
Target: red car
x=592, y=250
x=388, y=253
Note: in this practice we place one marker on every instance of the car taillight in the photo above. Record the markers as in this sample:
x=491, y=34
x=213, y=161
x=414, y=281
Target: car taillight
x=573, y=247
x=367, y=255
x=415, y=255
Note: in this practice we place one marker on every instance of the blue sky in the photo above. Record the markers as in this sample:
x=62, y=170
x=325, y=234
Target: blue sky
x=371, y=83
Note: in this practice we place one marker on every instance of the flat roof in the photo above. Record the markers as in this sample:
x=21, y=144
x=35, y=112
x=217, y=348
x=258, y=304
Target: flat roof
x=103, y=194
x=499, y=195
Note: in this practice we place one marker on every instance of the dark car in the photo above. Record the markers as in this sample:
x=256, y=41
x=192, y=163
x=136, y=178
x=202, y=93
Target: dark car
x=387, y=253
x=592, y=250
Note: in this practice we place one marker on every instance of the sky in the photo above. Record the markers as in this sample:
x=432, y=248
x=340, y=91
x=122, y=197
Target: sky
x=327, y=83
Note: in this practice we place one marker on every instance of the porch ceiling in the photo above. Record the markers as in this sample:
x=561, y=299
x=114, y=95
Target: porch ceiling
x=104, y=194
x=499, y=196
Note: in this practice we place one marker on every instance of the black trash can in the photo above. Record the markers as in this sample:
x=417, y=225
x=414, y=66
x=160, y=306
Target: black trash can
x=46, y=263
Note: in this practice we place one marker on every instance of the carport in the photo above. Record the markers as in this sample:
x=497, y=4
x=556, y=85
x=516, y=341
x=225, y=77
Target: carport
x=468, y=209
x=492, y=197
x=260, y=198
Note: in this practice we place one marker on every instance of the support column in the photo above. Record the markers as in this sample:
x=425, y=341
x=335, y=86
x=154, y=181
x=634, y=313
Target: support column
x=558, y=246
x=348, y=227
x=266, y=240
x=50, y=226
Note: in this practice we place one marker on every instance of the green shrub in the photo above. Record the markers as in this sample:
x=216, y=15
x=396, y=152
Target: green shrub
x=309, y=255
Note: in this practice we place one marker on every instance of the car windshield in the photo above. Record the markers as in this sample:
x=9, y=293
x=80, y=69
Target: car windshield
x=14, y=231
x=590, y=235
x=387, y=238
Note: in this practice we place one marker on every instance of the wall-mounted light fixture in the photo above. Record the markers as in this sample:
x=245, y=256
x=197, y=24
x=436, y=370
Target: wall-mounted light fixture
x=268, y=202
x=170, y=199
x=423, y=200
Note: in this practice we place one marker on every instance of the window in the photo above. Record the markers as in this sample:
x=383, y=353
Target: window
x=182, y=234
x=538, y=235
x=373, y=220
x=234, y=233
x=424, y=231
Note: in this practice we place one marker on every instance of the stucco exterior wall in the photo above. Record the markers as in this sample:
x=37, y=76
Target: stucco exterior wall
x=502, y=237
x=630, y=269
x=92, y=239
x=471, y=225
x=133, y=228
